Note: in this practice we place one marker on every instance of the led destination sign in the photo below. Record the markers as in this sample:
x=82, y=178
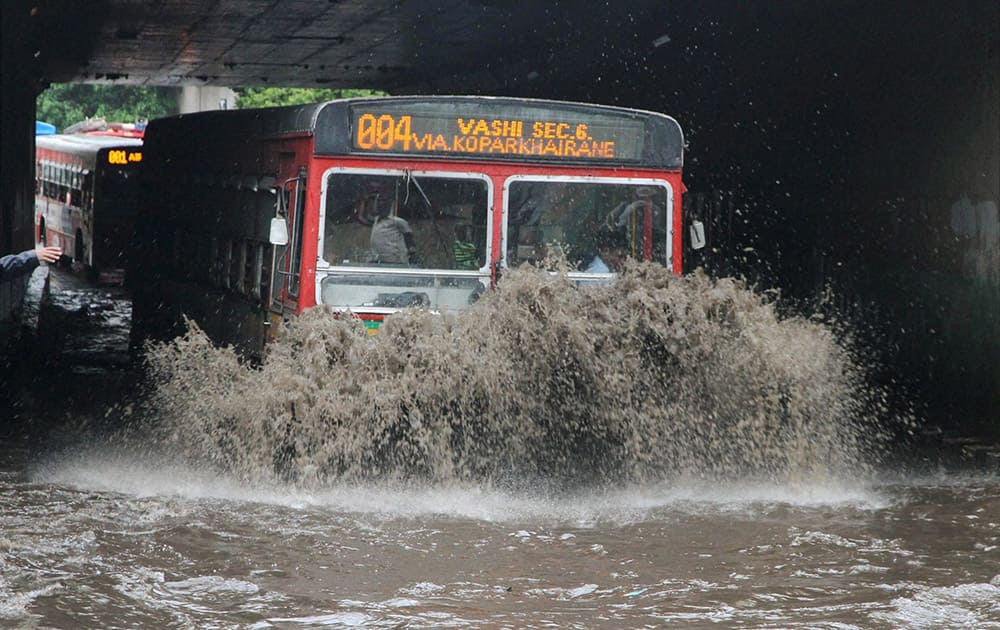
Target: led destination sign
x=122, y=157
x=512, y=132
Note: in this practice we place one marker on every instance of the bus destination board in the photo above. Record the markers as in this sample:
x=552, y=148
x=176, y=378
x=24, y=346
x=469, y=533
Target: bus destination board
x=522, y=132
x=122, y=157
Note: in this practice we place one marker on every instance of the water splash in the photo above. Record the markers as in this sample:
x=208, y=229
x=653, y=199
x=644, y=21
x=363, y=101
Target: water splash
x=652, y=377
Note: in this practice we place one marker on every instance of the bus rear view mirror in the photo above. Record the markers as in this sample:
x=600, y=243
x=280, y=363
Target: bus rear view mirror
x=697, y=235
x=279, y=231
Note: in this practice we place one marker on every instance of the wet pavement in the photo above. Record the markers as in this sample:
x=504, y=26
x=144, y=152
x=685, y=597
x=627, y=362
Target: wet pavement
x=71, y=360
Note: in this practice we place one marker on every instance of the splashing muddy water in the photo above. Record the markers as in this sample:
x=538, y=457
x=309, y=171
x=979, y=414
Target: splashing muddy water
x=650, y=377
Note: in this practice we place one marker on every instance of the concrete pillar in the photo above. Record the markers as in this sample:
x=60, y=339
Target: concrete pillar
x=18, y=89
x=193, y=98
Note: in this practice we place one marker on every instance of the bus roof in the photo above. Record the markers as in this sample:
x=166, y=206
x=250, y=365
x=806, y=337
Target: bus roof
x=643, y=138
x=84, y=144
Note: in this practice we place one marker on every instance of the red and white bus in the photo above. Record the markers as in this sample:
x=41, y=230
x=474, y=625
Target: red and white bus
x=391, y=202
x=85, y=196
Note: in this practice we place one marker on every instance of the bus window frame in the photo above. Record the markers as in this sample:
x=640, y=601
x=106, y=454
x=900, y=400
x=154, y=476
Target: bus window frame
x=286, y=264
x=324, y=269
x=396, y=171
x=276, y=282
x=589, y=179
x=293, y=281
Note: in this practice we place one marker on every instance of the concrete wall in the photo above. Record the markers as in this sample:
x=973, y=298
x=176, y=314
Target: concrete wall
x=864, y=160
x=18, y=89
x=910, y=240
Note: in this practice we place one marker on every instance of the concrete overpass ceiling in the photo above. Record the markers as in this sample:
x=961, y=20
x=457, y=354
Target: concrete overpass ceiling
x=236, y=43
x=820, y=80
x=742, y=77
x=667, y=53
x=415, y=45
x=475, y=45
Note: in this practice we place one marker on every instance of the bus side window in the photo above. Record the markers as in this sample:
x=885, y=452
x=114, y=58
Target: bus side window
x=256, y=262
x=265, y=255
x=237, y=273
x=88, y=194
x=213, y=262
x=298, y=225
x=47, y=180
x=226, y=264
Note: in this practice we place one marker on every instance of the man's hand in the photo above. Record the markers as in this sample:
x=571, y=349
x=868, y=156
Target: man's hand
x=48, y=254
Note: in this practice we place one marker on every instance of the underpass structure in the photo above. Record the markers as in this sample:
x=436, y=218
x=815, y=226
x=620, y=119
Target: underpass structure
x=844, y=152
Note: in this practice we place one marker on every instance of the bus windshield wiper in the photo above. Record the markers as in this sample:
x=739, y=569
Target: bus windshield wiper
x=430, y=207
x=411, y=179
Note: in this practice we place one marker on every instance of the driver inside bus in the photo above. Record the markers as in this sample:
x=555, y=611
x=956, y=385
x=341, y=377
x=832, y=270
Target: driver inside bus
x=391, y=236
x=626, y=212
x=610, y=255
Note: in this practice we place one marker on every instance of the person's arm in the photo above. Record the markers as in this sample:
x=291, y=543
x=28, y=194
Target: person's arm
x=407, y=232
x=48, y=254
x=15, y=265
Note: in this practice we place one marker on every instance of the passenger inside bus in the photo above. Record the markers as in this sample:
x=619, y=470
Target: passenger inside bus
x=610, y=253
x=391, y=236
x=464, y=247
x=627, y=212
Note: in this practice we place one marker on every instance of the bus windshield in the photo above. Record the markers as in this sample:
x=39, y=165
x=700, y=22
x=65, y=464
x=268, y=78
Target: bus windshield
x=421, y=238
x=595, y=225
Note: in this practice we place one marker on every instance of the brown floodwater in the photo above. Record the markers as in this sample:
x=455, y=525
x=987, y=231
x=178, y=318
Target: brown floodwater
x=659, y=453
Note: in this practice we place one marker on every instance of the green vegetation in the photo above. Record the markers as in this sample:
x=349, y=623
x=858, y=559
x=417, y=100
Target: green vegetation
x=274, y=96
x=65, y=104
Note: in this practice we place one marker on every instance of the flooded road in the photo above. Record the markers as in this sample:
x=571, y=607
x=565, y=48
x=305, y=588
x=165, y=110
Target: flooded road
x=96, y=533
x=94, y=541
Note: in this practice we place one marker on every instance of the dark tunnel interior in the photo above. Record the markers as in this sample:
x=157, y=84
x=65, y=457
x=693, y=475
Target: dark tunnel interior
x=845, y=154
